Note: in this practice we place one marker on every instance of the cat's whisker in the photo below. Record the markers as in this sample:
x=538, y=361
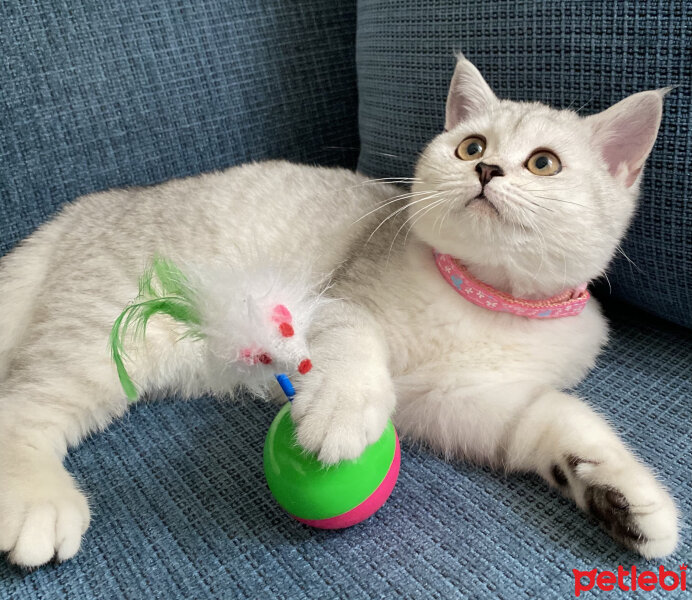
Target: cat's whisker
x=451, y=203
x=510, y=197
x=531, y=210
x=433, y=167
x=452, y=185
x=385, y=203
x=435, y=222
x=430, y=208
x=551, y=199
x=391, y=181
x=553, y=188
x=427, y=209
x=402, y=195
x=396, y=212
x=542, y=245
x=418, y=211
x=387, y=154
x=525, y=199
x=378, y=153
x=629, y=260
x=584, y=105
x=381, y=180
x=386, y=179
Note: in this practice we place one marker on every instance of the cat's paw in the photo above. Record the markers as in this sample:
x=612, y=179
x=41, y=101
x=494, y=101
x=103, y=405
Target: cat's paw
x=338, y=412
x=42, y=516
x=623, y=496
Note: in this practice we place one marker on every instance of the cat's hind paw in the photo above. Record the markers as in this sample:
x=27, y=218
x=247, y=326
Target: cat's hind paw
x=624, y=497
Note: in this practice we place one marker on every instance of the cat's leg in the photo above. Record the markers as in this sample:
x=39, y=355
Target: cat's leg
x=59, y=392
x=42, y=512
x=344, y=402
x=523, y=426
x=574, y=449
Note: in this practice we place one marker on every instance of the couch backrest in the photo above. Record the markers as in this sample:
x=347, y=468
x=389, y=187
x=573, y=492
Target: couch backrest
x=100, y=93
x=582, y=53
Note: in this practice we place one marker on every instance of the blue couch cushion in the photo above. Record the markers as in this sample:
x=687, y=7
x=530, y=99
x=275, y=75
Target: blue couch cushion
x=181, y=509
x=576, y=53
x=98, y=94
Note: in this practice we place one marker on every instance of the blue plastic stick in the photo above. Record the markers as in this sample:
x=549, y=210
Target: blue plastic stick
x=286, y=386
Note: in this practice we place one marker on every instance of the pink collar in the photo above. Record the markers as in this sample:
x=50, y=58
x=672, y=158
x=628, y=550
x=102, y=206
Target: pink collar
x=566, y=304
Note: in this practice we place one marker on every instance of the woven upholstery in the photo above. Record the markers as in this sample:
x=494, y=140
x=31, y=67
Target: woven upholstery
x=181, y=509
x=98, y=94
x=584, y=54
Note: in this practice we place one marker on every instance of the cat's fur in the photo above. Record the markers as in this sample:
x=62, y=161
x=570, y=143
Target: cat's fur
x=468, y=381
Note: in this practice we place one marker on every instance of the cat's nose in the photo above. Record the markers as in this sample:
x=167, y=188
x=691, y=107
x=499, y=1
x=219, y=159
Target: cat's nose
x=487, y=172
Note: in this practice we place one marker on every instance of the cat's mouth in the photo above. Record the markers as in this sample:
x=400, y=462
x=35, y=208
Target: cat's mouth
x=484, y=202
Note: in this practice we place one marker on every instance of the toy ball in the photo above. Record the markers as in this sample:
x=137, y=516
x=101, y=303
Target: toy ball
x=328, y=497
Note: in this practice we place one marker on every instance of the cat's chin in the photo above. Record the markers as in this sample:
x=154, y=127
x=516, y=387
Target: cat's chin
x=483, y=205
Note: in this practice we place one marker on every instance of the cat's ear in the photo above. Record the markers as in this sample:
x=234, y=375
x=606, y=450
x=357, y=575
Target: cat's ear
x=626, y=132
x=468, y=93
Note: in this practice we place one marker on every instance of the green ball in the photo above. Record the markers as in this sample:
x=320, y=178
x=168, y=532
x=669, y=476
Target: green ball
x=330, y=497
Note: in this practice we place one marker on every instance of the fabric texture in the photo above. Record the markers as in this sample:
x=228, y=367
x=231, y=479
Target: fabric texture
x=585, y=55
x=181, y=508
x=99, y=94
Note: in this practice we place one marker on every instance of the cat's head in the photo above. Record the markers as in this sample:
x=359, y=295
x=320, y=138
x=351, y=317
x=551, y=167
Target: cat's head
x=532, y=199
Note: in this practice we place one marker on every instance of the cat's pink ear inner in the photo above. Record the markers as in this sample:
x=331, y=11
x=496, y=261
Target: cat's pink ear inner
x=468, y=93
x=626, y=132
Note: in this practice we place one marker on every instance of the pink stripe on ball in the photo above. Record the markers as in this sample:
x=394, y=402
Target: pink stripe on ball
x=369, y=506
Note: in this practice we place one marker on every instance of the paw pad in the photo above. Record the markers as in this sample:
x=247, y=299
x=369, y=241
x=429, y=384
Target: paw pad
x=559, y=476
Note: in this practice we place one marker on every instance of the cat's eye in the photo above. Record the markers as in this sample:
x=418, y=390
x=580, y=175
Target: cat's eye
x=471, y=148
x=544, y=162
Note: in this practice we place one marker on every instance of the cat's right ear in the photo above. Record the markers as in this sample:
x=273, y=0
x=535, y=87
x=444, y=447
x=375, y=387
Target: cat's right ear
x=468, y=93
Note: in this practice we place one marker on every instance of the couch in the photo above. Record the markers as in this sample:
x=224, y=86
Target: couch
x=98, y=94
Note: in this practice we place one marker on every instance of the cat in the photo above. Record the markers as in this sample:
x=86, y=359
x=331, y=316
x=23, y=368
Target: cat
x=512, y=201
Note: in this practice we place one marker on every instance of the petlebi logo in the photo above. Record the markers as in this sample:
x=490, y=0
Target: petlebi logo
x=630, y=580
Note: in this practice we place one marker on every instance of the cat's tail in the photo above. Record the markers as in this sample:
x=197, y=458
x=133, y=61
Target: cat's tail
x=22, y=273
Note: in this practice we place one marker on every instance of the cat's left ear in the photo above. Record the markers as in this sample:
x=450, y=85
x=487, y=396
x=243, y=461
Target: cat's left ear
x=626, y=132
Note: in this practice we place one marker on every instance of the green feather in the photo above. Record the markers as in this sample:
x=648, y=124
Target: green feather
x=163, y=289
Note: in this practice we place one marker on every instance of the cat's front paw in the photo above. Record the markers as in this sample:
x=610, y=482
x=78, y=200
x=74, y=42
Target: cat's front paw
x=42, y=516
x=623, y=496
x=341, y=410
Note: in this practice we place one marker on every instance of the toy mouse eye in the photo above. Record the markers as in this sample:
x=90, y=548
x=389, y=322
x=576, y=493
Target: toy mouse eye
x=471, y=148
x=543, y=163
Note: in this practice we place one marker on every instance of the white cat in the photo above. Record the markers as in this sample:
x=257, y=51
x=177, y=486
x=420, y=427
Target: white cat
x=531, y=200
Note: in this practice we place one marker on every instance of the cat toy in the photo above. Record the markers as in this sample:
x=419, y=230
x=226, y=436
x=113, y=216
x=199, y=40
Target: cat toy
x=332, y=497
x=252, y=325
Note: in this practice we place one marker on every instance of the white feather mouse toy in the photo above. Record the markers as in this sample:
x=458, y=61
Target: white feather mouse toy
x=253, y=322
